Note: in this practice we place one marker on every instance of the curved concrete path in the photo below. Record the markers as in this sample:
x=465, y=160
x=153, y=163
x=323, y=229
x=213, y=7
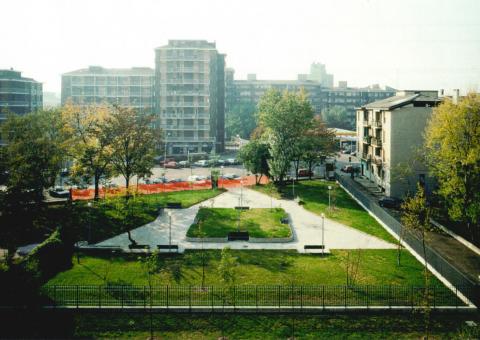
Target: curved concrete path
x=306, y=225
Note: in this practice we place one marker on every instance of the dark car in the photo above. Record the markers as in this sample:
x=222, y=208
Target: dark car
x=349, y=169
x=59, y=192
x=390, y=202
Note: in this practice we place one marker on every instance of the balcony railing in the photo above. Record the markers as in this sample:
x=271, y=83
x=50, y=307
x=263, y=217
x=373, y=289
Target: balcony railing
x=378, y=160
x=366, y=123
x=378, y=124
x=367, y=139
x=376, y=141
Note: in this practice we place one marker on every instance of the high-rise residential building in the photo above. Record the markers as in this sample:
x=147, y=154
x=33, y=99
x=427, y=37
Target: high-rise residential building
x=18, y=94
x=190, y=96
x=389, y=133
x=127, y=87
x=319, y=74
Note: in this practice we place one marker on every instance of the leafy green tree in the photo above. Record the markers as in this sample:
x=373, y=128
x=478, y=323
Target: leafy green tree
x=34, y=153
x=33, y=158
x=338, y=117
x=285, y=117
x=254, y=157
x=452, y=149
x=317, y=144
x=416, y=219
x=135, y=142
x=89, y=141
x=240, y=120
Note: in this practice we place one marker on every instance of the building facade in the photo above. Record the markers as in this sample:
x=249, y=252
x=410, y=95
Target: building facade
x=95, y=85
x=322, y=98
x=18, y=94
x=389, y=132
x=190, y=96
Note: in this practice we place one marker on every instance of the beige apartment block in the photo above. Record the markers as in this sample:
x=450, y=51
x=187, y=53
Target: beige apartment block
x=390, y=134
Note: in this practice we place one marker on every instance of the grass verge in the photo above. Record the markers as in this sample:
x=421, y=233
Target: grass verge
x=261, y=223
x=344, y=209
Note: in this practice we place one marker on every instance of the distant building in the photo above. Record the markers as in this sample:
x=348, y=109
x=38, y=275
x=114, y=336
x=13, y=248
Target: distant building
x=127, y=87
x=389, y=132
x=318, y=73
x=18, y=94
x=190, y=96
x=322, y=98
x=51, y=100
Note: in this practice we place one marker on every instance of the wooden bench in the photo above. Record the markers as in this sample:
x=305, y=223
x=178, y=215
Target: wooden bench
x=167, y=248
x=139, y=246
x=174, y=205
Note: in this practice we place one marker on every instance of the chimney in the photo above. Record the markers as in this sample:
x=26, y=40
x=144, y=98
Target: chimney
x=456, y=95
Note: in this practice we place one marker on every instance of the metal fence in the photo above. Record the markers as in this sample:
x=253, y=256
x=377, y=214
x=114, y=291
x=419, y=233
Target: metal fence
x=466, y=286
x=278, y=296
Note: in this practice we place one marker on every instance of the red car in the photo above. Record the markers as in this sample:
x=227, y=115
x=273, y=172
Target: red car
x=171, y=165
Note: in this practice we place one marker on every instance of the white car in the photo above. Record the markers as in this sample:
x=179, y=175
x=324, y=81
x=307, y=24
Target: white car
x=202, y=163
x=231, y=161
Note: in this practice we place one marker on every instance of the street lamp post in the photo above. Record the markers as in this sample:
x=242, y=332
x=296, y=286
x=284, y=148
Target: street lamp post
x=165, y=161
x=221, y=174
x=169, y=232
x=329, y=200
x=89, y=204
x=323, y=233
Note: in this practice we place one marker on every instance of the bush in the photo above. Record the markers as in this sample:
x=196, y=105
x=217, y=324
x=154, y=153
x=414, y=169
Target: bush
x=48, y=258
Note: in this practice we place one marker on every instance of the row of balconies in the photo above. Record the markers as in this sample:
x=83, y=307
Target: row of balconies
x=185, y=127
x=376, y=159
x=376, y=123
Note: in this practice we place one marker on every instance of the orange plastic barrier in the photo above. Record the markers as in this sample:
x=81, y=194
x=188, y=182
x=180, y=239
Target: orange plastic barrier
x=85, y=194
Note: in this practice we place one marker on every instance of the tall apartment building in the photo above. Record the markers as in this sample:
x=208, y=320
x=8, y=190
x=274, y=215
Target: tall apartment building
x=18, y=94
x=128, y=87
x=389, y=132
x=319, y=74
x=190, y=95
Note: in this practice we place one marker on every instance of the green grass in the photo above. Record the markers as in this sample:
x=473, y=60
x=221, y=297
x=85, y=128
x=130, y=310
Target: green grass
x=376, y=267
x=114, y=216
x=347, y=211
x=135, y=325
x=261, y=223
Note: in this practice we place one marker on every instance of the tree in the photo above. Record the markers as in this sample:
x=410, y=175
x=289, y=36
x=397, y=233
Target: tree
x=240, y=120
x=254, y=157
x=90, y=143
x=285, y=117
x=317, y=144
x=452, y=150
x=135, y=141
x=32, y=159
x=34, y=153
x=338, y=117
x=416, y=219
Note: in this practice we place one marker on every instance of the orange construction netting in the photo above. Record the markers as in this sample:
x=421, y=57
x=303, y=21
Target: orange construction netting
x=85, y=194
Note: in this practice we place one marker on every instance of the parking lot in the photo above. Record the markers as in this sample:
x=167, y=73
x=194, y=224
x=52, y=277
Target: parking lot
x=184, y=173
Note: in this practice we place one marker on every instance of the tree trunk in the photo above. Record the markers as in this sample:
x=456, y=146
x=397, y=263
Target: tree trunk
x=96, y=180
x=260, y=178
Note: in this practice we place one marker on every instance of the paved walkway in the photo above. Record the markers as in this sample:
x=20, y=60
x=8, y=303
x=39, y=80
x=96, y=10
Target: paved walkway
x=307, y=227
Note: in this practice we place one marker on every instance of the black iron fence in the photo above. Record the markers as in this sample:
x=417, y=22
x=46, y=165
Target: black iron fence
x=273, y=296
x=466, y=286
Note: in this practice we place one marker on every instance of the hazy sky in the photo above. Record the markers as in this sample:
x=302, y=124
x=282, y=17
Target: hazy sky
x=421, y=44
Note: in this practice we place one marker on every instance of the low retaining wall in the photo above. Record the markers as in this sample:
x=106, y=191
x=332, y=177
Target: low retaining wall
x=207, y=239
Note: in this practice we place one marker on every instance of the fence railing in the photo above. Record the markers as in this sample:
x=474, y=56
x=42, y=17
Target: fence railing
x=256, y=296
x=466, y=286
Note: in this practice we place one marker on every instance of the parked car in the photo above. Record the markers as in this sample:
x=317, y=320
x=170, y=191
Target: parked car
x=304, y=173
x=177, y=180
x=230, y=176
x=171, y=165
x=202, y=163
x=231, y=161
x=390, y=202
x=159, y=180
x=349, y=169
x=345, y=151
x=59, y=192
x=183, y=164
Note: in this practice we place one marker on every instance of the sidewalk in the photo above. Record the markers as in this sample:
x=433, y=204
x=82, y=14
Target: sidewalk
x=461, y=257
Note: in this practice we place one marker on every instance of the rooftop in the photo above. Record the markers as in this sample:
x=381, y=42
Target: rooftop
x=403, y=98
x=140, y=71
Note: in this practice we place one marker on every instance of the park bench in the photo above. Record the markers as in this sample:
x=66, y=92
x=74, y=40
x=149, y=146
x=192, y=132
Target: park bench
x=238, y=236
x=167, y=248
x=174, y=205
x=139, y=246
x=242, y=208
x=314, y=248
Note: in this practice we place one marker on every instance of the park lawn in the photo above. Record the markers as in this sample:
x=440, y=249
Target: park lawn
x=114, y=216
x=314, y=195
x=262, y=267
x=261, y=223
